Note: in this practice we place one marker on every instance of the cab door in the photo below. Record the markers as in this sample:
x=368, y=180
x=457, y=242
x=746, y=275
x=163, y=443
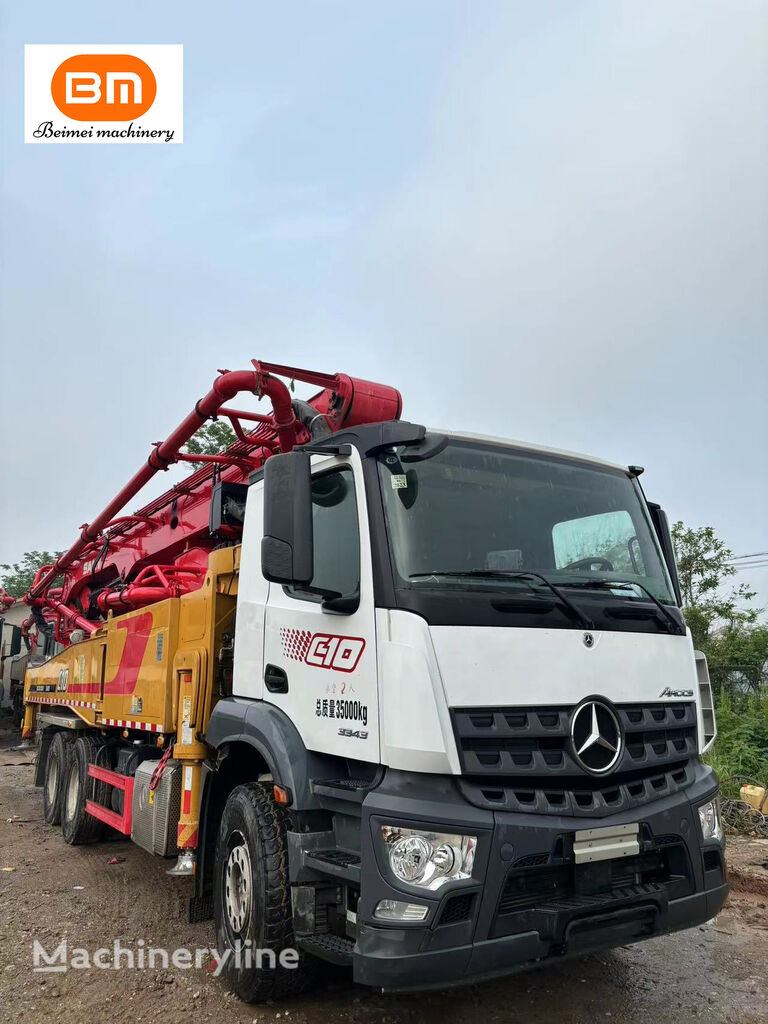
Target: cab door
x=320, y=654
x=252, y=592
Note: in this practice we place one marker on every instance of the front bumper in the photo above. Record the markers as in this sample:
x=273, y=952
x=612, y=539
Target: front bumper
x=527, y=902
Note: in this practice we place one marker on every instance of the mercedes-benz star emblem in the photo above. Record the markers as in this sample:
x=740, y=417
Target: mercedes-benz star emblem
x=589, y=640
x=596, y=737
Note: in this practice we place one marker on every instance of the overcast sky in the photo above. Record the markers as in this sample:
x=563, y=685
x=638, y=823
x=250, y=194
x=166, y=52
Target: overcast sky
x=541, y=220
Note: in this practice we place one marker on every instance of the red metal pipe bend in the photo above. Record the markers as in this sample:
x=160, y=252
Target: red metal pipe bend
x=285, y=418
x=224, y=388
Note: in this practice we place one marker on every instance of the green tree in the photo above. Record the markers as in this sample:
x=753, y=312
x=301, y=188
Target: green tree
x=213, y=437
x=723, y=624
x=704, y=569
x=17, y=578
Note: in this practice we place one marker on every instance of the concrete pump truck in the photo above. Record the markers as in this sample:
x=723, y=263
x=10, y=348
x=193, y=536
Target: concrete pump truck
x=415, y=701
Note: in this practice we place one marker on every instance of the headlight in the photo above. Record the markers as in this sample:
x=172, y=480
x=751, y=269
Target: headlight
x=709, y=817
x=428, y=859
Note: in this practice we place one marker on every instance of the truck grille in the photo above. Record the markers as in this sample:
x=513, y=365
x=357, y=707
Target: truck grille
x=519, y=758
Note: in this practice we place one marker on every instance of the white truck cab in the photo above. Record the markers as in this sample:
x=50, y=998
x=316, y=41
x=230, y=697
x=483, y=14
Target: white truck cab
x=463, y=664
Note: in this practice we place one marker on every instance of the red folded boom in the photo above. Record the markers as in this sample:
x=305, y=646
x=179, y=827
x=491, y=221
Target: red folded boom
x=126, y=561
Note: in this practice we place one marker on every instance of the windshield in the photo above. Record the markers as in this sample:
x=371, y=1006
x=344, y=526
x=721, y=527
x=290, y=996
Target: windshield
x=469, y=515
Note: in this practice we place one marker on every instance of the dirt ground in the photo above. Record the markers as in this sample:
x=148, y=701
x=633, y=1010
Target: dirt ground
x=713, y=973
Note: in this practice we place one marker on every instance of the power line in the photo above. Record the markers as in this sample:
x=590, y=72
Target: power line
x=755, y=554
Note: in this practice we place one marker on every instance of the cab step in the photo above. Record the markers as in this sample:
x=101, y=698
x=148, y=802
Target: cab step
x=339, y=863
x=351, y=790
x=334, y=948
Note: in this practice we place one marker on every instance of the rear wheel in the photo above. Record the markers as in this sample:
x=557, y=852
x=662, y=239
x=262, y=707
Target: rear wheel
x=252, y=898
x=77, y=826
x=56, y=765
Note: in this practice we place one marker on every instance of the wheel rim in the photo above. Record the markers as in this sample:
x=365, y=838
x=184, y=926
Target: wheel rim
x=52, y=782
x=238, y=884
x=73, y=791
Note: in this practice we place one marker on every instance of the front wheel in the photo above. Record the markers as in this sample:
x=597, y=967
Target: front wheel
x=252, y=899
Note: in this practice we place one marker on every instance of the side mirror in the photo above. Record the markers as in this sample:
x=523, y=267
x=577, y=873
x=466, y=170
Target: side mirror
x=286, y=548
x=661, y=526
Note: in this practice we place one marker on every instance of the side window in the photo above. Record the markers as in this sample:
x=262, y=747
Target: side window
x=605, y=538
x=336, y=536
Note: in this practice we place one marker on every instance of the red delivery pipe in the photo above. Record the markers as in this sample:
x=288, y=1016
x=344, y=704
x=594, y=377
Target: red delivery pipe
x=72, y=617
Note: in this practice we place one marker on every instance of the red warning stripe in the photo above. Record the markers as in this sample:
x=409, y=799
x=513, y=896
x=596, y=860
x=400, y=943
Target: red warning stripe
x=121, y=723
x=34, y=698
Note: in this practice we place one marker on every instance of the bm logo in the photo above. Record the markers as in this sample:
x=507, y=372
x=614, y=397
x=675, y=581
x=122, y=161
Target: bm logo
x=103, y=87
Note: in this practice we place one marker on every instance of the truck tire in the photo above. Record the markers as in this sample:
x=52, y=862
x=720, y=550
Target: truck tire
x=77, y=826
x=252, y=897
x=56, y=764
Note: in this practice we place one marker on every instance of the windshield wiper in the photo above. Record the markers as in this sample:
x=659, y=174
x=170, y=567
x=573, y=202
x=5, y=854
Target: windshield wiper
x=625, y=585
x=573, y=610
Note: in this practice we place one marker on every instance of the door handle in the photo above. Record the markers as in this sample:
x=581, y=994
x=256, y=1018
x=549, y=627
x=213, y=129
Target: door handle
x=275, y=679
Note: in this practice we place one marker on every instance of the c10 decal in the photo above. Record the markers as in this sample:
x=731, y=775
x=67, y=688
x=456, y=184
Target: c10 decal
x=322, y=650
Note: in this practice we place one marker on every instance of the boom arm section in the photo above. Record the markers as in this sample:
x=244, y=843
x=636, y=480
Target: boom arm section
x=125, y=561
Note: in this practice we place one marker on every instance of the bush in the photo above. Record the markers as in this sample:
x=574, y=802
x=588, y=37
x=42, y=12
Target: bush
x=741, y=747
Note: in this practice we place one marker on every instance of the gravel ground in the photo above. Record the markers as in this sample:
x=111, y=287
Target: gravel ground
x=713, y=973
